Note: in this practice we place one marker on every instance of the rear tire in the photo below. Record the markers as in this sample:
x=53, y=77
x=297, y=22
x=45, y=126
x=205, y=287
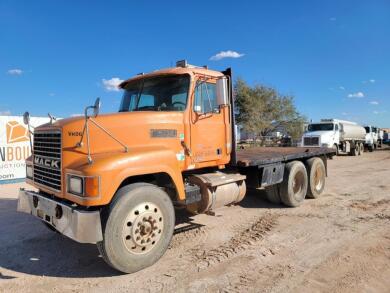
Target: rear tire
x=316, y=177
x=361, y=149
x=137, y=227
x=370, y=148
x=293, y=189
x=273, y=194
x=355, y=150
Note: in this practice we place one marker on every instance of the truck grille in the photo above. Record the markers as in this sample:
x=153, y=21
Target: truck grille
x=47, y=158
x=311, y=141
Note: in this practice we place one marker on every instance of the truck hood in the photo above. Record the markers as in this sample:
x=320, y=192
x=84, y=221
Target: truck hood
x=133, y=129
x=319, y=133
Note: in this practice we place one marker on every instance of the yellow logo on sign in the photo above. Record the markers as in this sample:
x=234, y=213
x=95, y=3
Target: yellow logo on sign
x=16, y=132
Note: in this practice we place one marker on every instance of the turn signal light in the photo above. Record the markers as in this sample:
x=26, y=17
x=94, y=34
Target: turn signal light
x=91, y=186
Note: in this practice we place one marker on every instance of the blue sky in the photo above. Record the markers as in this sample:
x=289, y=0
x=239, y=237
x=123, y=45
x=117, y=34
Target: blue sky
x=333, y=56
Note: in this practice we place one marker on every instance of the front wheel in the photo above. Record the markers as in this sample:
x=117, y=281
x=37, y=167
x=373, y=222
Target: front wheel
x=137, y=227
x=336, y=149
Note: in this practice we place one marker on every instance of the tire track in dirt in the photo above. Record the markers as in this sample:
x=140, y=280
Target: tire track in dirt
x=241, y=241
x=194, y=260
x=194, y=235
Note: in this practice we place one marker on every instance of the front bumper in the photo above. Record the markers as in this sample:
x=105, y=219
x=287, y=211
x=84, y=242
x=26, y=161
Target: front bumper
x=79, y=225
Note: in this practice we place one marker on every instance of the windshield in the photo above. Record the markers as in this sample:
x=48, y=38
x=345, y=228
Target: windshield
x=367, y=128
x=320, y=127
x=162, y=93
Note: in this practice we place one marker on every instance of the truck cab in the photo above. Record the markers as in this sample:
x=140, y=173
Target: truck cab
x=325, y=133
x=371, y=141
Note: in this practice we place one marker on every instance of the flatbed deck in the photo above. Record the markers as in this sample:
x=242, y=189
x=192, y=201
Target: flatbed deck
x=256, y=156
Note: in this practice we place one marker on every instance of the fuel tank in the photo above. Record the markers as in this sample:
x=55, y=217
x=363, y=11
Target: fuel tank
x=217, y=190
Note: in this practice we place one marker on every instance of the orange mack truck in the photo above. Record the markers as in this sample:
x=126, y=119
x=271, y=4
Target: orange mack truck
x=116, y=179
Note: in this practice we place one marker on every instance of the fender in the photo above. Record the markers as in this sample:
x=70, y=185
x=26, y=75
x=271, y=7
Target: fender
x=114, y=168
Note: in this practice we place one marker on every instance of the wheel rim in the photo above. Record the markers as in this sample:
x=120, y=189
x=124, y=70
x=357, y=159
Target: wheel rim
x=298, y=182
x=143, y=228
x=318, y=178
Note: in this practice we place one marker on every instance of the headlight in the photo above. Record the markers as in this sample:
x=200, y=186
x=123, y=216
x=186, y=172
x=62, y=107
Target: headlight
x=83, y=185
x=29, y=172
x=76, y=185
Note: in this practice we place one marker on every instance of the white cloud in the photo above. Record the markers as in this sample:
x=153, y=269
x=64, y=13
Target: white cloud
x=5, y=113
x=52, y=94
x=356, y=95
x=226, y=54
x=15, y=71
x=374, y=103
x=76, y=115
x=342, y=88
x=379, y=112
x=112, y=84
x=369, y=81
x=344, y=113
x=332, y=19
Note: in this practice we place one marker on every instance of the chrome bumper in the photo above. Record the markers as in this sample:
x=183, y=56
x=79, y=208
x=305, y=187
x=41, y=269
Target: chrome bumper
x=81, y=226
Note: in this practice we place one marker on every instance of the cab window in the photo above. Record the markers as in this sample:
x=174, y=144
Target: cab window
x=206, y=98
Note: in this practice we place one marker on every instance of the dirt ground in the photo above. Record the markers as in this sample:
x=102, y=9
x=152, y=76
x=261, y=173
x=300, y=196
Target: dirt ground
x=338, y=243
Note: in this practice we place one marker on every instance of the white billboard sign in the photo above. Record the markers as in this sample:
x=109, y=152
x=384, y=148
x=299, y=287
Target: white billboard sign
x=15, y=145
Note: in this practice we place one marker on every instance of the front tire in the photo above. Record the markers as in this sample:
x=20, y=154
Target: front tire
x=137, y=227
x=336, y=149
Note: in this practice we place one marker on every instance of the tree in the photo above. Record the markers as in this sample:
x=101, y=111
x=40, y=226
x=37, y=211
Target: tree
x=262, y=110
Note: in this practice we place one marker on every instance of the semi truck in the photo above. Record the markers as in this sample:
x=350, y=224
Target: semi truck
x=116, y=179
x=371, y=138
x=344, y=137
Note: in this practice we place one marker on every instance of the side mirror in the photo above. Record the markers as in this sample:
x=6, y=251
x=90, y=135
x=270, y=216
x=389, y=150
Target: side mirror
x=26, y=118
x=96, y=107
x=222, y=91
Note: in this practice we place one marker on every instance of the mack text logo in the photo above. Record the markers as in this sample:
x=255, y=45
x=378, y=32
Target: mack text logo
x=50, y=163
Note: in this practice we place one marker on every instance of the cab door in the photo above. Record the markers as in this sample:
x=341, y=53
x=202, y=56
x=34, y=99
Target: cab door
x=208, y=126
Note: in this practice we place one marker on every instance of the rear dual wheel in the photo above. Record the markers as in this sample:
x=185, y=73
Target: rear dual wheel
x=355, y=151
x=361, y=149
x=299, y=182
x=137, y=227
x=273, y=194
x=316, y=172
x=292, y=190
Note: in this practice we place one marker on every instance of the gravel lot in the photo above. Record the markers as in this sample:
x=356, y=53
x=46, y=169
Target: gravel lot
x=338, y=243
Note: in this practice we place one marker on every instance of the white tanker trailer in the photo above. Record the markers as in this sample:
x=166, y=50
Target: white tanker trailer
x=343, y=136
